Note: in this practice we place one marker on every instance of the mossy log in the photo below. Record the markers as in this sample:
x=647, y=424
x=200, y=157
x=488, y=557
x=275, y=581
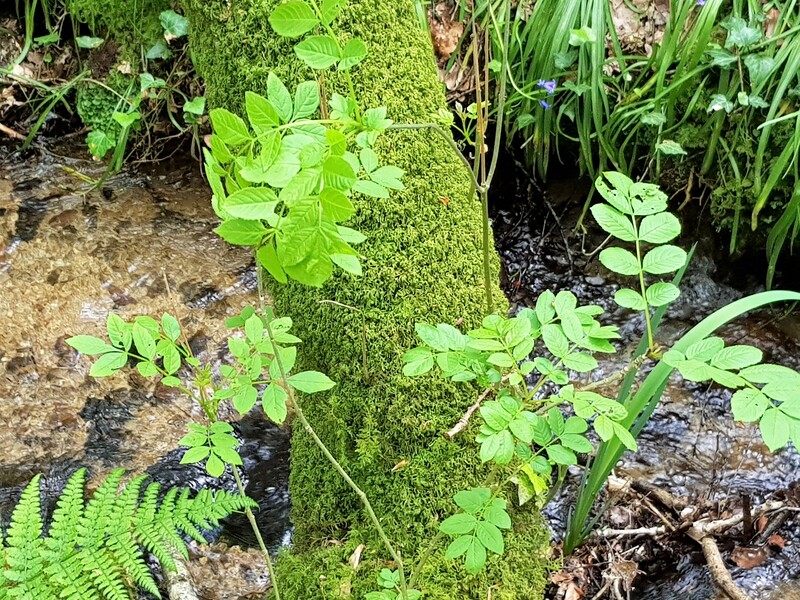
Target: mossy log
x=422, y=262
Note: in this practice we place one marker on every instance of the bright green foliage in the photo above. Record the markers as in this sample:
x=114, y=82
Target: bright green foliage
x=94, y=550
x=637, y=212
x=421, y=260
x=285, y=187
x=519, y=428
x=775, y=405
x=716, y=96
x=390, y=582
x=477, y=529
x=158, y=350
x=136, y=23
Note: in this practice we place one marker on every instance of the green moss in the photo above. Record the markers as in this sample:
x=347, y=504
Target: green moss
x=422, y=263
x=96, y=104
x=126, y=21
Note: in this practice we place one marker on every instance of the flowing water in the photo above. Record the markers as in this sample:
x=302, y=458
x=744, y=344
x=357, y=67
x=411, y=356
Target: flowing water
x=142, y=243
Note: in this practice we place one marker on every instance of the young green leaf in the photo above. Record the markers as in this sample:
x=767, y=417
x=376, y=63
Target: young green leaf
x=108, y=364
x=274, y=403
x=458, y=524
x=660, y=294
x=293, y=19
x=620, y=261
x=660, y=228
x=240, y=232
x=229, y=127
x=614, y=222
x=89, y=345
x=311, y=382
x=418, y=361
x=664, y=259
x=306, y=100
x=252, y=204
x=260, y=112
x=353, y=53
x=318, y=51
x=279, y=97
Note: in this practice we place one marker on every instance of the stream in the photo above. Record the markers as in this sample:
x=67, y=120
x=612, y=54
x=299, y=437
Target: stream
x=141, y=244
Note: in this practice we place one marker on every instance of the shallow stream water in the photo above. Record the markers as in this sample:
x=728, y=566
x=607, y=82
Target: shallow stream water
x=142, y=243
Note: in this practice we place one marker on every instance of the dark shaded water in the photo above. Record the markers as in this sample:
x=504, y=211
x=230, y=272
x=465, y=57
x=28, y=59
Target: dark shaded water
x=691, y=446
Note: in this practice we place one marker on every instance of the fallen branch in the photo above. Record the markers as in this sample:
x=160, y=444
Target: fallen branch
x=719, y=572
x=464, y=420
x=649, y=531
x=11, y=133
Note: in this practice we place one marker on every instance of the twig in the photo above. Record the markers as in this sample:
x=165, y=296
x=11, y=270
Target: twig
x=11, y=133
x=719, y=572
x=649, y=531
x=464, y=420
x=704, y=527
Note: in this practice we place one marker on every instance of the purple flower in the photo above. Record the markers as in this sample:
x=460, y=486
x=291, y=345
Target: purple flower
x=545, y=104
x=548, y=86
x=701, y=2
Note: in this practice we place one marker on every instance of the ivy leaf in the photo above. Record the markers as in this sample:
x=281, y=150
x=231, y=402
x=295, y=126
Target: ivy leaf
x=85, y=41
x=318, y=51
x=293, y=19
x=620, y=261
x=759, y=66
x=100, y=142
x=670, y=148
x=353, y=53
x=311, y=382
x=174, y=25
x=196, y=106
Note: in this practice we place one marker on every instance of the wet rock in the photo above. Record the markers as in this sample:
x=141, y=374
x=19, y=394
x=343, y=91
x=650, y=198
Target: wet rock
x=220, y=572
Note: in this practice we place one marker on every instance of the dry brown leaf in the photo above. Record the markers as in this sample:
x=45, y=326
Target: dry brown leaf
x=748, y=558
x=777, y=541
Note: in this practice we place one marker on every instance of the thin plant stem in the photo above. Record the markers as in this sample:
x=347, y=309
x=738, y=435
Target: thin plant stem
x=300, y=416
x=252, y=519
x=643, y=288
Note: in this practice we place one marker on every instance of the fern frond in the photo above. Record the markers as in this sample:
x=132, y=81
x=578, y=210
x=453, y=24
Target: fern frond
x=25, y=565
x=93, y=551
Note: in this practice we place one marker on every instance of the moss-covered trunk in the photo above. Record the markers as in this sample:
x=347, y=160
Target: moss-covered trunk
x=422, y=262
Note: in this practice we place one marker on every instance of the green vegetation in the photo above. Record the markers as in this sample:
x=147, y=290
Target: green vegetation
x=421, y=260
x=95, y=549
x=713, y=101
x=132, y=23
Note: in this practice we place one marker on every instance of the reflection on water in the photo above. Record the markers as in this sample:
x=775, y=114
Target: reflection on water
x=68, y=257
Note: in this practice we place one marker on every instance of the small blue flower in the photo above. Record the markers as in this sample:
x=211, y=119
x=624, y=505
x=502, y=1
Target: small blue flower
x=701, y=2
x=545, y=104
x=548, y=86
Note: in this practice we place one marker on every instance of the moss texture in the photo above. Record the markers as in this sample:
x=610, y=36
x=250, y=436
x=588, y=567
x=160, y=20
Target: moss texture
x=422, y=262
x=128, y=22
